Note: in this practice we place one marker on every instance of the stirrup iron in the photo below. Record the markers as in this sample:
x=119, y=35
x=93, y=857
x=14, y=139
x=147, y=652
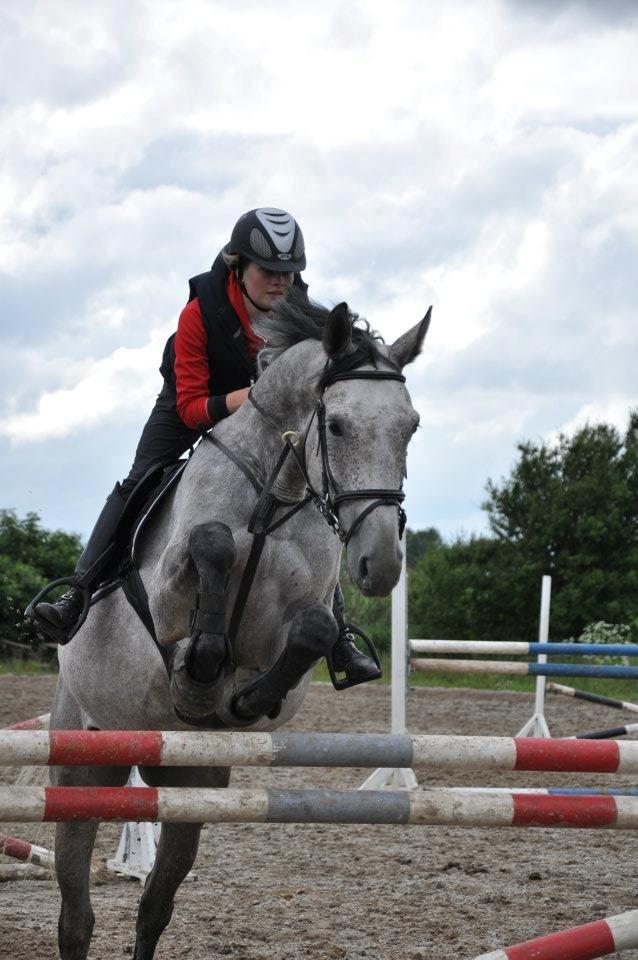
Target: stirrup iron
x=354, y=631
x=61, y=637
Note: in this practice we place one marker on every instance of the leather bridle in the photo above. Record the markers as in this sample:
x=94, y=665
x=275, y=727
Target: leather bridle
x=331, y=497
x=327, y=501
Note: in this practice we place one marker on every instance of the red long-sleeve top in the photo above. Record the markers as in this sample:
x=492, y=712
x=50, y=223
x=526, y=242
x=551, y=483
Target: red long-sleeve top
x=192, y=373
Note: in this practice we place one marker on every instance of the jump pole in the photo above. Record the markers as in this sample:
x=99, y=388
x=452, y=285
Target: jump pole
x=511, y=668
x=26, y=852
x=610, y=734
x=401, y=807
x=38, y=856
x=592, y=697
x=516, y=648
x=135, y=853
x=281, y=749
x=35, y=723
x=597, y=939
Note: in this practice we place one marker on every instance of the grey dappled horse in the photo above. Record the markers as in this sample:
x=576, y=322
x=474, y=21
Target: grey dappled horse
x=320, y=374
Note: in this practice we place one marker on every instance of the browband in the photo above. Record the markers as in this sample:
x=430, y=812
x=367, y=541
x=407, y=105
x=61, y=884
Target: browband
x=365, y=375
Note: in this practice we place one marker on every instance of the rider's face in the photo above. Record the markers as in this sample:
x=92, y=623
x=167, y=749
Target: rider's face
x=264, y=286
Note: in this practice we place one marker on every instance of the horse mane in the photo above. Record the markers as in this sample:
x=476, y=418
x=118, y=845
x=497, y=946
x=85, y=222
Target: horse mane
x=295, y=318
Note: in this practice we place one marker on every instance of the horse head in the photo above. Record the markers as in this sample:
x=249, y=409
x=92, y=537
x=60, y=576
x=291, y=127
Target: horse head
x=348, y=386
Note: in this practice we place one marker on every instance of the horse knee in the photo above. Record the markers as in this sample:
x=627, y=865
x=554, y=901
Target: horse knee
x=312, y=635
x=314, y=630
x=212, y=548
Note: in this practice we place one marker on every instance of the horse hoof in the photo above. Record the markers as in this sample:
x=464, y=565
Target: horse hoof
x=251, y=707
x=190, y=696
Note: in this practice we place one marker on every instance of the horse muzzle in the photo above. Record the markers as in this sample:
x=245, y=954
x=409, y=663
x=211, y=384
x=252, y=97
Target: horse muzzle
x=374, y=555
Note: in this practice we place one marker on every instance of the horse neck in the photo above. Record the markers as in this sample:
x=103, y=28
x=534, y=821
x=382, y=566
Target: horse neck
x=286, y=391
x=284, y=402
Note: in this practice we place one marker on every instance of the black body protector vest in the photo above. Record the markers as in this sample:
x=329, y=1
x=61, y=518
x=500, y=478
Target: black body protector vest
x=230, y=367
x=229, y=364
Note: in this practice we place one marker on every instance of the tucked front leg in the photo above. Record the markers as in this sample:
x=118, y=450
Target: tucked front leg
x=312, y=635
x=198, y=673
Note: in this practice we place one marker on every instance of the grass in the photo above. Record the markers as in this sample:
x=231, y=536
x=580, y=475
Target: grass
x=18, y=665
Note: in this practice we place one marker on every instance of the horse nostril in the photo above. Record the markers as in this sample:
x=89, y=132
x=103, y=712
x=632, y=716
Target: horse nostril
x=363, y=568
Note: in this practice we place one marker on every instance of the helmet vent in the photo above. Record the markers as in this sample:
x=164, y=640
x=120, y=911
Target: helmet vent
x=259, y=244
x=271, y=238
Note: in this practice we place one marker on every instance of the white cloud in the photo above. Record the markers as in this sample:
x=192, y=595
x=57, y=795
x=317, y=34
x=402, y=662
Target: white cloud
x=126, y=380
x=476, y=156
x=613, y=410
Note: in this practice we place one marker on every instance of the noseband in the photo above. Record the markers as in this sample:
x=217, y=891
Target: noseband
x=331, y=497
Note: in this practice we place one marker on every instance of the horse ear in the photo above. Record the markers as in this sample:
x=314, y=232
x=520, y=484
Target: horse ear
x=337, y=333
x=408, y=346
x=264, y=358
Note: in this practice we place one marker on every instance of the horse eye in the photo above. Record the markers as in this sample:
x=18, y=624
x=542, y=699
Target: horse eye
x=335, y=428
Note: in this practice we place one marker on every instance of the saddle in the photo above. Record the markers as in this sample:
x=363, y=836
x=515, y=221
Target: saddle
x=150, y=492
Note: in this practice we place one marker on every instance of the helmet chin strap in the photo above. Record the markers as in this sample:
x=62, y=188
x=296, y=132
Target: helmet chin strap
x=242, y=287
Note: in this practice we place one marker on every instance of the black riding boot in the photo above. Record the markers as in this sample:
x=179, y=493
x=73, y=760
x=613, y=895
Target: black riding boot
x=63, y=615
x=346, y=656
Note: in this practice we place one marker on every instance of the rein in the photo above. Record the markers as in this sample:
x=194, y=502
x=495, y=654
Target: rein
x=327, y=501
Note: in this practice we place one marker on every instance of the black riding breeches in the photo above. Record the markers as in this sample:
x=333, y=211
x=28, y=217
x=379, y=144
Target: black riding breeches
x=165, y=437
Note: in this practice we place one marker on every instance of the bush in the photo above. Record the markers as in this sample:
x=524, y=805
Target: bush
x=30, y=556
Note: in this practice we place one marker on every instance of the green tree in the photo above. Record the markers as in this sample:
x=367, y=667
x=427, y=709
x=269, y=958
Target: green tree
x=419, y=541
x=570, y=509
x=472, y=590
x=30, y=556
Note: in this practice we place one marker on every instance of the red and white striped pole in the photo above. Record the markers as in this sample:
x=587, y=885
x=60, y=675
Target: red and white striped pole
x=597, y=939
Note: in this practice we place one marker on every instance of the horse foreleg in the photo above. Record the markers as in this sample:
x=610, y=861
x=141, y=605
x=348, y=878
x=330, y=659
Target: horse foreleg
x=312, y=635
x=73, y=848
x=74, y=841
x=174, y=857
x=198, y=674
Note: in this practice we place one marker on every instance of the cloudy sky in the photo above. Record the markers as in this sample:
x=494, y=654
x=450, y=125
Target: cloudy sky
x=479, y=155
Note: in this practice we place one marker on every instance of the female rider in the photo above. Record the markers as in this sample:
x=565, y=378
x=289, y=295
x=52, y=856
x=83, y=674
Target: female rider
x=208, y=366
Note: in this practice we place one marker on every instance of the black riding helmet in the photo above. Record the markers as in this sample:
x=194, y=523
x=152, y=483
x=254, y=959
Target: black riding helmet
x=271, y=238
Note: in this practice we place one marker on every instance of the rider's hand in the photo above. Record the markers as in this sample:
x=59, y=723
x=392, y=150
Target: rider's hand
x=235, y=399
